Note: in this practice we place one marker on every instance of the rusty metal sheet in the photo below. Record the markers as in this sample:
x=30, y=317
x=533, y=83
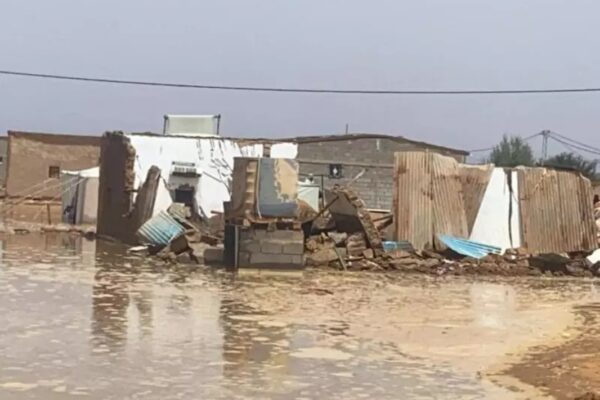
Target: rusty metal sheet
x=413, y=203
x=449, y=216
x=556, y=211
x=474, y=180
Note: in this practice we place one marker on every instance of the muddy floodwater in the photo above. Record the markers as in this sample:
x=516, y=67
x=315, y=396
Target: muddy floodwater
x=81, y=319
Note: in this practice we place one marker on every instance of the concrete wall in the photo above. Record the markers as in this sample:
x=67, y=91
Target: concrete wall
x=275, y=249
x=30, y=156
x=375, y=155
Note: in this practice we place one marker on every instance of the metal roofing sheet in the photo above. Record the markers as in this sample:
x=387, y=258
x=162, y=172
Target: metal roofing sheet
x=474, y=180
x=160, y=229
x=448, y=206
x=413, y=209
x=556, y=211
x=469, y=248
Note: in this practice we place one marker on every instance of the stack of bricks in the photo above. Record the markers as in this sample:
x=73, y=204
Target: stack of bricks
x=264, y=248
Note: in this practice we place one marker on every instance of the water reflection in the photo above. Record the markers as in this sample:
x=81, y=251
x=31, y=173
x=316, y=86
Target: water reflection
x=81, y=318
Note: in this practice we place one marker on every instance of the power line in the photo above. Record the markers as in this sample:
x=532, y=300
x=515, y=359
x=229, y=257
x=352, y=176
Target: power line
x=587, y=150
x=575, y=141
x=526, y=139
x=297, y=90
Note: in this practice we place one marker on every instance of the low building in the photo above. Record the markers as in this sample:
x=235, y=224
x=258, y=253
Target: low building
x=33, y=173
x=3, y=161
x=339, y=159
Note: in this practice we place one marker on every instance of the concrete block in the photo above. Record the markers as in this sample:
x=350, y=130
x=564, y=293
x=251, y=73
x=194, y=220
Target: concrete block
x=287, y=235
x=250, y=246
x=293, y=248
x=299, y=260
x=243, y=258
x=258, y=259
x=271, y=247
x=261, y=233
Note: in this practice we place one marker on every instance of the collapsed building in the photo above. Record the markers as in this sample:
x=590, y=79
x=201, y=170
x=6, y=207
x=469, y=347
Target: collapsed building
x=141, y=175
x=539, y=210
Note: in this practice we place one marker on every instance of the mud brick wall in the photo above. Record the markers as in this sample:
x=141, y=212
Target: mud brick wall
x=30, y=156
x=115, y=189
x=375, y=155
x=278, y=249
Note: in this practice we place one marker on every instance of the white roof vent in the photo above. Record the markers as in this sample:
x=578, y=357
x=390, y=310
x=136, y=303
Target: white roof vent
x=192, y=125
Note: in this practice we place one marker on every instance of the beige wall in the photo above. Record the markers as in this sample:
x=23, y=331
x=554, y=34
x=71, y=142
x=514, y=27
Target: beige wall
x=30, y=155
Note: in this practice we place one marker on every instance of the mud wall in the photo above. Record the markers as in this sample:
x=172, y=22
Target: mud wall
x=375, y=155
x=115, y=189
x=31, y=156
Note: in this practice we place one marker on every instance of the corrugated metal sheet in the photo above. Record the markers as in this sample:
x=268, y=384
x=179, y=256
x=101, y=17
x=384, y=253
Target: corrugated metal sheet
x=556, y=211
x=448, y=206
x=277, y=187
x=160, y=229
x=474, y=180
x=413, y=204
x=469, y=248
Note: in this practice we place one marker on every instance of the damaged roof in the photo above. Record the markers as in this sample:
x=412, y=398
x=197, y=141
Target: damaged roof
x=326, y=138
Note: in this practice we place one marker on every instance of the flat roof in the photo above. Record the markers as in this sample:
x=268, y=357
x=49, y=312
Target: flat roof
x=57, y=138
x=318, y=138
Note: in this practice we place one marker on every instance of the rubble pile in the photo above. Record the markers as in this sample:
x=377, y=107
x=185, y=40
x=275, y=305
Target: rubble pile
x=178, y=236
x=322, y=252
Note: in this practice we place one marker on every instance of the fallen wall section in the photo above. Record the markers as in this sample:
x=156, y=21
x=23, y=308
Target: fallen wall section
x=556, y=211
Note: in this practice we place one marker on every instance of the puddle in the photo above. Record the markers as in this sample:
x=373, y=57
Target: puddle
x=78, y=319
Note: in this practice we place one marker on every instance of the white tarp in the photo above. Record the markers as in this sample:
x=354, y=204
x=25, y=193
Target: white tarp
x=93, y=172
x=80, y=195
x=498, y=222
x=213, y=158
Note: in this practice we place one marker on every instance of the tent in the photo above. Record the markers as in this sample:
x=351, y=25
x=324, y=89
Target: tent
x=80, y=196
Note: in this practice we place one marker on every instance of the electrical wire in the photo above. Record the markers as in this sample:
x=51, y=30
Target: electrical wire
x=587, y=150
x=297, y=90
x=575, y=141
x=526, y=139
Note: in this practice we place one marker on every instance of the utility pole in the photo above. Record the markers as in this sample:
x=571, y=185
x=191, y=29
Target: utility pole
x=545, y=135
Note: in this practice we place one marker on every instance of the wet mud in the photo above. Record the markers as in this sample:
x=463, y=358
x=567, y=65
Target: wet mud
x=571, y=369
x=82, y=319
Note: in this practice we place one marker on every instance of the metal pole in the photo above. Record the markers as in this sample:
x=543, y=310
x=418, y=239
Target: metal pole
x=544, y=146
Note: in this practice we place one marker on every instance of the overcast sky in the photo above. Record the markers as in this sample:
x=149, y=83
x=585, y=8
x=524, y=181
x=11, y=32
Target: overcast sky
x=340, y=44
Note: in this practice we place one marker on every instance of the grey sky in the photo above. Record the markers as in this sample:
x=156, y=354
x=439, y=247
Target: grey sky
x=377, y=44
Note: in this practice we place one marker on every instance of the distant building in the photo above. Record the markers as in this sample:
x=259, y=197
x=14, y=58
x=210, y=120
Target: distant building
x=338, y=159
x=37, y=159
x=33, y=172
x=3, y=161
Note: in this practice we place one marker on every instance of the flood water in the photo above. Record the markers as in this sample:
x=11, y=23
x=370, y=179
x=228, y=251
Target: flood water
x=80, y=319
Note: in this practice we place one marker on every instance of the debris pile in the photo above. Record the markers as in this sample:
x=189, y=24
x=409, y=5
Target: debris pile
x=177, y=236
x=356, y=242
x=324, y=251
